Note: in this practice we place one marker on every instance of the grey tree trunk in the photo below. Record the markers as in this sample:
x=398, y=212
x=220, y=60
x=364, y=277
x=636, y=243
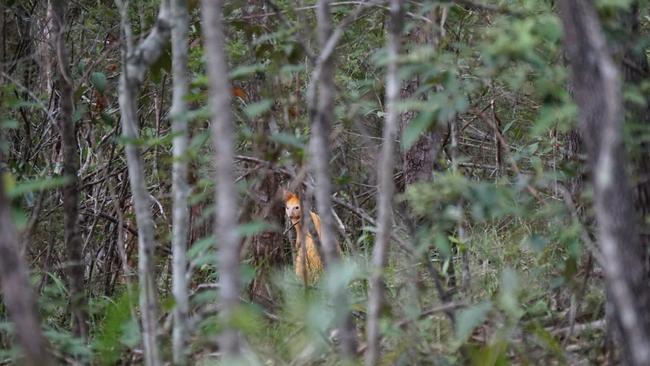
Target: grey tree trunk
x=180, y=186
x=226, y=195
x=322, y=115
x=67, y=128
x=17, y=293
x=460, y=228
x=266, y=247
x=598, y=94
x=636, y=70
x=136, y=62
x=419, y=160
x=386, y=185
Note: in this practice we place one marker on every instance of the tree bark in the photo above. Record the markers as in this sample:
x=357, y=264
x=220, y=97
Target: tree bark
x=636, y=70
x=597, y=92
x=180, y=186
x=386, y=185
x=419, y=161
x=226, y=195
x=136, y=62
x=17, y=293
x=70, y=192
x=460, y=227
x=322, y=115
x=267, y=246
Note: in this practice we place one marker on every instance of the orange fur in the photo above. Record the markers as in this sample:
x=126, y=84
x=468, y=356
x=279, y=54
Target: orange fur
x=314, y=265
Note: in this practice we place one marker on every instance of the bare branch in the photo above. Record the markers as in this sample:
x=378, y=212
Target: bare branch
x=180, y=186
x=385, y=168
x=226, y=195
x=322, y=116
x=17, y=293
x=70, y=191
x=598, y=94
x=136, y=61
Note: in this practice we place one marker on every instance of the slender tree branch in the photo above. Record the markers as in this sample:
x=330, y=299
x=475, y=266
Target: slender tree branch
x=322, y=118
x=180, y=186
x=136, y=61
x=597, y=92
x=17, y=293
x=385, y=169
x=70, y=191
x=226, y=195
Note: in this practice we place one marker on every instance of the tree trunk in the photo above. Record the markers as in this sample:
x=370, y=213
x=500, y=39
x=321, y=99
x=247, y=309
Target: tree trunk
x=226, y=195
x=419, y=162
x=322, y=115
x=70, y=191
x=136, y=62
x=16, y=291
x=460, y=227
x=267, y=246
x=180, y=186
x=635, y=71
x=386, y=185
x=597, y=93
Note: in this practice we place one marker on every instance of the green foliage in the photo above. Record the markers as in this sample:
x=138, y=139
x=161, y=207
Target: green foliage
x=18, y=189
x=469, y=319
x=99, y=81
x=475, y=67
x=255, y=109
x=117, y=331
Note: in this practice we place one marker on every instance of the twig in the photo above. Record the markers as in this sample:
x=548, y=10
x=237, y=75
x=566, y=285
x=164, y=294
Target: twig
x=584, y=235
x=38, y=101
x=433, y=310
x=470, y=5
x=277, y=10
x=504, y=143
x=579, y=328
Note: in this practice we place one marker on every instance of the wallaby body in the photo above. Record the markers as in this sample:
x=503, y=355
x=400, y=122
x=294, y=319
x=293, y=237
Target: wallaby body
x=308, y=263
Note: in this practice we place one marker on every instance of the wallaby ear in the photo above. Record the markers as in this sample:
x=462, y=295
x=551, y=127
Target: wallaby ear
x=287, y=195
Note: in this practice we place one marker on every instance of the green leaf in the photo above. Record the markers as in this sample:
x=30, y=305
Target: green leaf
x=537, y=242
x=613, y=4
x=246, y=273
x=255, y=227
x=9, y=124
x=37, y=185
x=69, y=344
x=470, y=318
x=116, y=329
x=255, y=109
x=98, y=79
x=288, y=139
x=549, y=27
x=200, y=246
x=245, y=70
x=201, y=113
x=509, y=292
x=79, y=112
x=415, y=128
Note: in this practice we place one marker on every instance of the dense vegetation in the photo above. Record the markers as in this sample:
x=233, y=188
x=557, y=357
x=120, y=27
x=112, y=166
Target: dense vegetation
x=496, y=238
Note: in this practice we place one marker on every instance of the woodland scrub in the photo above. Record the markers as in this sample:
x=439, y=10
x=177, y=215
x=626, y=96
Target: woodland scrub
x=469, y=181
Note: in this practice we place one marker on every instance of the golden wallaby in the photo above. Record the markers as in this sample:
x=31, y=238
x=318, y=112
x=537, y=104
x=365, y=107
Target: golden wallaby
x=314, y=265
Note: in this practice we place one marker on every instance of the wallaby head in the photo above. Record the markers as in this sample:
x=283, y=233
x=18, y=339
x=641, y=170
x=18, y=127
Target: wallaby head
x=292, y=206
